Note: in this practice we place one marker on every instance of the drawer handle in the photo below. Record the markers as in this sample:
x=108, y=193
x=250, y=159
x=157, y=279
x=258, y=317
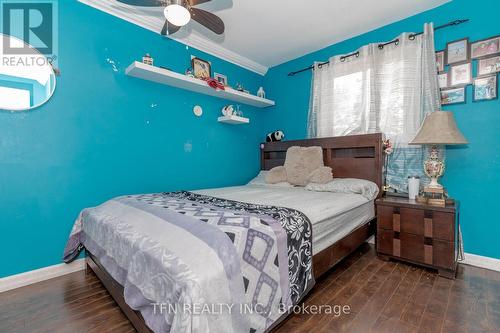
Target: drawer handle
x=428, y=254
x=428, y=227
x=396, y=247
x=396, y=222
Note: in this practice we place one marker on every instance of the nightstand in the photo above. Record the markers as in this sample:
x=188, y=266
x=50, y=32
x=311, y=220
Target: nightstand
x=418, y=233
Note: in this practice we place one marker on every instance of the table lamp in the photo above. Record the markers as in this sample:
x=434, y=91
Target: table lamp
x=439, y=128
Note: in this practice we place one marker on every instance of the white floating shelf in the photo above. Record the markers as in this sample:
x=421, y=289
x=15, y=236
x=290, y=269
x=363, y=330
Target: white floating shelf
x=169, y=78
x=234, y=120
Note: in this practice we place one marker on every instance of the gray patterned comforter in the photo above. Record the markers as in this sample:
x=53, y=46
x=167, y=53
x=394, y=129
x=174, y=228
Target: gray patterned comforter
x=195, y=263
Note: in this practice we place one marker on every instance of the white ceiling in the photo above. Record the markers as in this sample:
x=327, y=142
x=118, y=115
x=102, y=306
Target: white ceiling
x=264, y=33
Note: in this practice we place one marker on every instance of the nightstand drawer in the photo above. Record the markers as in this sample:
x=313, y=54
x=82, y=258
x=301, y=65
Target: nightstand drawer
x=412, y=247
x=418, y=222
x=385, y=217
x=418, y=233
x=443, y=226
x=443, y=254
x=412, y=221
x=385, y=241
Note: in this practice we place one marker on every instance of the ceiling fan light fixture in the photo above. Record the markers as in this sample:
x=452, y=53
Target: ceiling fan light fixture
x=177, y=15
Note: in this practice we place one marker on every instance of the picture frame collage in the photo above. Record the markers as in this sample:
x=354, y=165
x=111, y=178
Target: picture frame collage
x=458, y=57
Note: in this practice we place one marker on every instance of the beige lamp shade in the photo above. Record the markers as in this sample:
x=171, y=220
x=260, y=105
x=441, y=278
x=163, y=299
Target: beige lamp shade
x=439, y=128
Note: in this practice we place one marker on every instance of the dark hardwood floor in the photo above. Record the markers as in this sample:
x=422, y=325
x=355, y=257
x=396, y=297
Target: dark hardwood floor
x=383, y=297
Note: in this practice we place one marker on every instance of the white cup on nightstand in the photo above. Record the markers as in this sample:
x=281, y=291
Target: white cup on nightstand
x=413, y=187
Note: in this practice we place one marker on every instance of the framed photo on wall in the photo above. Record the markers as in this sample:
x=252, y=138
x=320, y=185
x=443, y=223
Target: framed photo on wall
x=443, y=80
x=485, y=47
x=488, y=66
x=457, y=51
x=440, y=61
x=201, y=68
x=453, y=96
x=460, y=75
x=485, y=88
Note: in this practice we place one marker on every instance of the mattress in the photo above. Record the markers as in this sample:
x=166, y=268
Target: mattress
x=333, y=215
x=188, y=251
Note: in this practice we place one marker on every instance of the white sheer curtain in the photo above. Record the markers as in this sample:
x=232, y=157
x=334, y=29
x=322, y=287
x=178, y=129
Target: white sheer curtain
x=385, y=90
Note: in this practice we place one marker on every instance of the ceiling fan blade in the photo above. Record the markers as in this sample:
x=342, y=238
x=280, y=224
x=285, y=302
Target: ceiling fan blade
x=209, y=20
x=169, y=28
x=145, y=3
x=197, y=2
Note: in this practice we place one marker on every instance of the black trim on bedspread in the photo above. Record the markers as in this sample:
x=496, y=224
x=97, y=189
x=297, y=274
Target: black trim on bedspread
x=298, y=229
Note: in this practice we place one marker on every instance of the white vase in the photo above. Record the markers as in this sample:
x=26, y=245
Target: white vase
x=261, y=93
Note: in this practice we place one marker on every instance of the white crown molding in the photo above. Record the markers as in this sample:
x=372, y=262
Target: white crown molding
x=38, y=275
x=192, y=40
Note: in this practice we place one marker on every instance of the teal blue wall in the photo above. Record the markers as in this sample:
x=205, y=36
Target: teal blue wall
x=472, y=172
x=99, y=137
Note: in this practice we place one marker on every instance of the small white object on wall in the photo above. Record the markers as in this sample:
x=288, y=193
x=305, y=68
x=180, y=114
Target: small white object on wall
x=198, y=111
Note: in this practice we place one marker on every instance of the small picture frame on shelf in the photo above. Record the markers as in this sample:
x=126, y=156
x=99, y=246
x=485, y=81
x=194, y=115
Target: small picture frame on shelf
x=453, y=96
x=443, y=80
x=148, y=59
x=460, y=75
x=221, y=78
x=485, y=47
x=201, y=68
x=457, y=51
x=487, y=66
x=440, y=61
x=485, y=88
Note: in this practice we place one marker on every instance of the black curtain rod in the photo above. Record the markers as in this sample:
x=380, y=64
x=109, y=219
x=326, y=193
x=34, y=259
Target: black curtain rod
x=380, y=46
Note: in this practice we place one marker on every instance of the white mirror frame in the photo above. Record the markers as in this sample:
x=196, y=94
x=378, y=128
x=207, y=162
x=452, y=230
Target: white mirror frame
x=34, y=55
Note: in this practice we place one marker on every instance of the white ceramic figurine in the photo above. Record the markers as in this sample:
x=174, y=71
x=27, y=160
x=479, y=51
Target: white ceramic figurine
x=261, y=93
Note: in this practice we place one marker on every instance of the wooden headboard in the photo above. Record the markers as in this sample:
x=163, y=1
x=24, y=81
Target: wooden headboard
x=354, y=156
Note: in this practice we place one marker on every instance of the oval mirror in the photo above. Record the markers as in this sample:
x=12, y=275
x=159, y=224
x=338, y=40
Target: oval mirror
x=27, y=80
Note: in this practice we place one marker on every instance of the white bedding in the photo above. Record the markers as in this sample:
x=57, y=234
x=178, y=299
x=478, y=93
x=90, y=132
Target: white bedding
x=333, y=215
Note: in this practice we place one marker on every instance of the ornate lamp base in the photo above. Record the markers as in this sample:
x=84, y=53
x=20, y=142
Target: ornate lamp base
x=434, y=168
x=434, y=183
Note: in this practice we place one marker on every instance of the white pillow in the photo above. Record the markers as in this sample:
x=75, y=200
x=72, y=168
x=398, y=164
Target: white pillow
x=364, y=187
x=260, y=180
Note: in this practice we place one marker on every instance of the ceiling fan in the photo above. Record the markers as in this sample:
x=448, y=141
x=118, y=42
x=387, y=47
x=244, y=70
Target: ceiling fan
x=179, y=12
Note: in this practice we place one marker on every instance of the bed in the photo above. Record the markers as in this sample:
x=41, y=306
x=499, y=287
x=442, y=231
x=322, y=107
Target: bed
x=318, y=230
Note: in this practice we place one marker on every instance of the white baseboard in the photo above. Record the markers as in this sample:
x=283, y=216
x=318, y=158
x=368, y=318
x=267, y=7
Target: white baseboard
x=482, y=262
x=38, y=275
x=470, y=259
